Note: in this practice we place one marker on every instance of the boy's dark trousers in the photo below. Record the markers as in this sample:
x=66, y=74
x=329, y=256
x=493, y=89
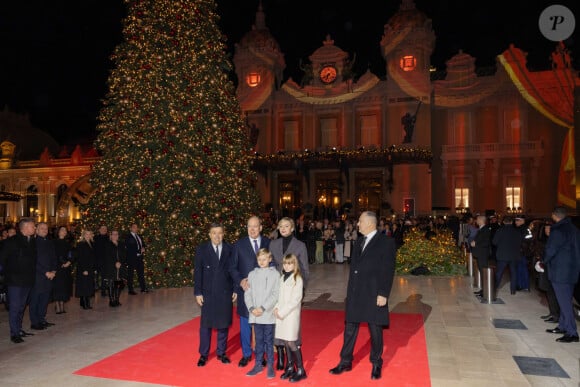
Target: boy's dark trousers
x=264, y=342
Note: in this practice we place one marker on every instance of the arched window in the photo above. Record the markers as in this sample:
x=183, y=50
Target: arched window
x=60, y=191
x=31, y=201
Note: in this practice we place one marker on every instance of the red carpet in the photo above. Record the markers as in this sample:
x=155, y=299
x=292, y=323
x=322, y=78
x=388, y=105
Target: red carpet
x=170, y=358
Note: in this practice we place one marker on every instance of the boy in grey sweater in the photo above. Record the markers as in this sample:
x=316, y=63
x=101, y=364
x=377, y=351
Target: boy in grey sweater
x=261, y=297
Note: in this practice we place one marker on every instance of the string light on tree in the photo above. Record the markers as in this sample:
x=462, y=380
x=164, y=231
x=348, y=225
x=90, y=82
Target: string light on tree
x=170, y=133
x=439, y=253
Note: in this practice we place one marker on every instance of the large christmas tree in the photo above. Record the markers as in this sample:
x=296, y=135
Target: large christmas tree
x=175, y=152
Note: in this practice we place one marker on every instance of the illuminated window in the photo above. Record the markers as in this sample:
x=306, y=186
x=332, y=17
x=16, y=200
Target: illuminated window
x=60, y=191
x=408, y=63
x=327, y=193
x=461, y=197
x=513, y=197
x=513, y=192
x=253, y=79
x=31, y=201
x=409, y=206
x=286, y=198
x=286, y=194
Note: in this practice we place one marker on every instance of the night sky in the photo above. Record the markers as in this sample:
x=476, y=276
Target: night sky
x=54, y=61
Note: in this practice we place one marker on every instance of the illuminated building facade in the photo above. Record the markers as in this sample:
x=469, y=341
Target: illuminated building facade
x=417, y=142
x=39, y=178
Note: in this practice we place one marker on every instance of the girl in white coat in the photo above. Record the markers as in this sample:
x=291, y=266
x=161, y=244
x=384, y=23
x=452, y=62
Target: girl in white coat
x=287, y=312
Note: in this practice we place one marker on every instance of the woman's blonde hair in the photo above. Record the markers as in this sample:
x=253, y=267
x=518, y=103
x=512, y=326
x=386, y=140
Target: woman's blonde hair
x=291, y=258
x=83, y=235
x=289, y=220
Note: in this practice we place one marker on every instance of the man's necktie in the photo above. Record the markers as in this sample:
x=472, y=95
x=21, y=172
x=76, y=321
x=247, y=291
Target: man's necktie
x=138, y=244
x=217, y=251
x=256, y=247
x=362, y=244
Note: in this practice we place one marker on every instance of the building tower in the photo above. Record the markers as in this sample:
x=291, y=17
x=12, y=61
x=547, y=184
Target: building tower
x=259, y=64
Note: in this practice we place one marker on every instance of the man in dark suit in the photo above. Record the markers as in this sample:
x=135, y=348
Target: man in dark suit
x=481, y=246
x=18, y=259
x=101, y=242
x=372, y=271
x=243, y=262
x=562, y=257
x=213, y=288
x=508, y=241
x=135, y=251
x=46, y=264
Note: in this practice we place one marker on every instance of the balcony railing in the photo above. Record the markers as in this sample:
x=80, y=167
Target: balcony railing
x=65, y=162
x=343, y=158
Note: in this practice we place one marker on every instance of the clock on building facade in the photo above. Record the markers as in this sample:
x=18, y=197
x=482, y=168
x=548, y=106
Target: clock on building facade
x=327, y=74
x=253, y=79
x=408, y=63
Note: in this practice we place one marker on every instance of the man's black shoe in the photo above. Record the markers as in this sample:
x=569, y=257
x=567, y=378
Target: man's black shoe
x=479, y=294
x=37, y=327
x=202, y=360
x=16, y=339
x=551, y=320
x=244, y=361
x=23, y=333
x=546, y=317
x=47, y=324
x=567, y=339
x=224, y=359
x=376, y=372
x=555, y=330
x=339, y=369
x=132, y=292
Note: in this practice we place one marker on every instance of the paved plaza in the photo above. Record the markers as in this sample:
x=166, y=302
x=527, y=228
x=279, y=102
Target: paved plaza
x=469, y=343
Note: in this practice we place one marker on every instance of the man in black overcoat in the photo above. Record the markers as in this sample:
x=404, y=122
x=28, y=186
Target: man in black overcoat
x=135, y=250
x=101, y=242
x=18, y=259
x=213, y=288
x=562, y=257
x=46, y=264
x=481, y=245
x=243, y=262
x=508, y=240
x=372, y=271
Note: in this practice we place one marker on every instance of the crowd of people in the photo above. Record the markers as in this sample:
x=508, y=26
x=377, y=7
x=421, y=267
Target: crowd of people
x=331, y=241
x=36, y=266
x=267, y=274
x=543, y=251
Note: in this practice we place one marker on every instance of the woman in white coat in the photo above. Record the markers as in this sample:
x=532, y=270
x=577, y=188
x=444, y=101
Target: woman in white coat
x=287, y=312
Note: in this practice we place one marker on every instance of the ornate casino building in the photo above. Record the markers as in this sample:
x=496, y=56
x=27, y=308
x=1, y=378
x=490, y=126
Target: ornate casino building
x=417, y=141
